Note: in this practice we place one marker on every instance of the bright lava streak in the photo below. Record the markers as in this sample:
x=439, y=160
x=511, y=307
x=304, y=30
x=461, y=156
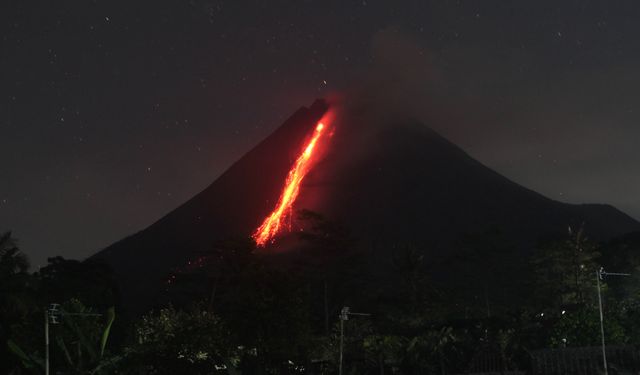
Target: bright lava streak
x=273, y=223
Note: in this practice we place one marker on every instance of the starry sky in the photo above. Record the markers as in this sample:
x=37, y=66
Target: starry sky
x=113, y=113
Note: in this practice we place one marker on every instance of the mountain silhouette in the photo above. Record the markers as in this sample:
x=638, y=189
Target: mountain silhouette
x=395, y=182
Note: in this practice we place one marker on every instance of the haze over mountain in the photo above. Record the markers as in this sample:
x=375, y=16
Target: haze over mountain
x=395, y=182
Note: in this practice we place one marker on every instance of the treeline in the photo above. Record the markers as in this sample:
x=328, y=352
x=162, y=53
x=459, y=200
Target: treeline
x=236, y=311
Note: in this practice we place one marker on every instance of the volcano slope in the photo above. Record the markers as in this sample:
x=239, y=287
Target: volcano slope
x=232, y=206
x=402, y=183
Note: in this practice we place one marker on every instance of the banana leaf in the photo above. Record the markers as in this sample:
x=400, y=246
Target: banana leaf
x=111, y=316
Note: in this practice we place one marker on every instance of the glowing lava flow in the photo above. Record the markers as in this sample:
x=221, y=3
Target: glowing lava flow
x=274, y=222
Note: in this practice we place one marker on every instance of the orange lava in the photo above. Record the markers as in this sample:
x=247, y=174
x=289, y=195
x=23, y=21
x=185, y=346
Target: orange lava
x=274, y=223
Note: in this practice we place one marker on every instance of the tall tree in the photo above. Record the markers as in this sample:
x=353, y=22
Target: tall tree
x=171, y=341
x=12, y=261
x=16, y=301
x=565, y=271
x=330, y=255
x=65, y=279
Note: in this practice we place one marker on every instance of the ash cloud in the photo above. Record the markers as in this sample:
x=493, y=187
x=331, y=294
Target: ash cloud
x=562, y=132
x=400, y=83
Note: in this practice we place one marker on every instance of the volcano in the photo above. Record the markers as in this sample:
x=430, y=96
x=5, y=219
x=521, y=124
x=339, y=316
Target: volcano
x=397, y=182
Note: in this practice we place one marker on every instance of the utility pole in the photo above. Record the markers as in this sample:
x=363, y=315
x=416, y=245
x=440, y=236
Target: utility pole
x=46, y=342
x=51, y=315
x=600, y=274
x=344, y=315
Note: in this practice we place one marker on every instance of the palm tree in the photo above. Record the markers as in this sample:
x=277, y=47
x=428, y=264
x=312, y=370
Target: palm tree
x=14, y=302
x=13, y=276
x=12, y=261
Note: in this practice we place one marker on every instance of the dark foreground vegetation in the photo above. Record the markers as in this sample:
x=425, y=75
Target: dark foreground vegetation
x=238, y=312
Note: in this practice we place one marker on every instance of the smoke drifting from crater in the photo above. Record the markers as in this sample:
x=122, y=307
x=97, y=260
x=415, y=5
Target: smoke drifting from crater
x=402, y=81
x=546, y=130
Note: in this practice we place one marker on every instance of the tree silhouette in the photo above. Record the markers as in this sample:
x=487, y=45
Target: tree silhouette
x=565, y=271
x=12, y=261
x=16, y=301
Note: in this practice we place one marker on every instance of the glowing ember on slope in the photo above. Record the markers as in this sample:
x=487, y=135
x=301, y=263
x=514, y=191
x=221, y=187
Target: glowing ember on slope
x=275, y=221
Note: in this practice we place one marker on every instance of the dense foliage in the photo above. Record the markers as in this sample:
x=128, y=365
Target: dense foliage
x=240, y=312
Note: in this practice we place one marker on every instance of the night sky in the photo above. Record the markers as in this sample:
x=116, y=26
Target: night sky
x=113, y=113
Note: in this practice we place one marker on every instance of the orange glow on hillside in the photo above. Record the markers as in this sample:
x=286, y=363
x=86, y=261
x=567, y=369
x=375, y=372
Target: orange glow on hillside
x=274, y=223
